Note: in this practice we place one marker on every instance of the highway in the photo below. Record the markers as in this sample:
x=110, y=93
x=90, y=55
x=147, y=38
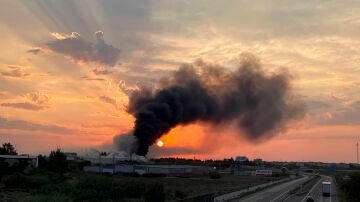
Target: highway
x=316, y=192
x=285, y=192
x=276, y=193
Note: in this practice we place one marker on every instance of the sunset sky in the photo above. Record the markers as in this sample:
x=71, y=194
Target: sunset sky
x=67, y=67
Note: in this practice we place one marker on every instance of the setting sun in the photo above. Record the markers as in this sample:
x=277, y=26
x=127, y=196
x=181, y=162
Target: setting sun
x=160, y=143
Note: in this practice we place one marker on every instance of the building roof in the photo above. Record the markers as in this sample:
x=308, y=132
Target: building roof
x=18, y=157
x=170, y=166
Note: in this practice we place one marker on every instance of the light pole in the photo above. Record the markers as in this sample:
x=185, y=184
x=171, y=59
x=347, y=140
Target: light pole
x=357, y=152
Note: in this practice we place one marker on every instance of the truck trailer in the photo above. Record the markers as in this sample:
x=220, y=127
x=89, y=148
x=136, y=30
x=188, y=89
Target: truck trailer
x=326, y=188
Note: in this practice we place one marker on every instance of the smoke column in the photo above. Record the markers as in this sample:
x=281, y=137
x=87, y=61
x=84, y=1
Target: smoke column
x=257, y=102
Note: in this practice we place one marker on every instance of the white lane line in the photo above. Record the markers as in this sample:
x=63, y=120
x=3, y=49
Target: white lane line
x=286, y=191
x=279, y=196
x=331, y=187
x=311, y=190
x=273, y=189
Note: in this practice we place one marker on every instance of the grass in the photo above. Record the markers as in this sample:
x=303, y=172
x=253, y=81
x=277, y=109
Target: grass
x=174, y=187
x=187, y=187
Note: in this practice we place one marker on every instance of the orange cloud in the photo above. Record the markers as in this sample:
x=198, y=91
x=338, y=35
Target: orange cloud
x=81, y=50
x=36, y=102
x=15, y=72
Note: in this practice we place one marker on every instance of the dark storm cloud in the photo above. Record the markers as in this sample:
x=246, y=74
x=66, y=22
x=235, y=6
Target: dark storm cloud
x=258, y=102
x=81, y=50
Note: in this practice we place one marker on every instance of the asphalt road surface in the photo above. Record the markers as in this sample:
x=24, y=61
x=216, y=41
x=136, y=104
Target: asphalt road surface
x=276, y=193
x=236, y=194
x=316, y=191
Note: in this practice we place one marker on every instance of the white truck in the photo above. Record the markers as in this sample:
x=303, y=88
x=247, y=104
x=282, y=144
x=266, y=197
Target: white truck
x=326, y=188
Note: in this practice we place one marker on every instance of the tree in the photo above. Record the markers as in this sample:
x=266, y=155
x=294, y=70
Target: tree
x=42, y=162
x=8, y=149
x=57, y=161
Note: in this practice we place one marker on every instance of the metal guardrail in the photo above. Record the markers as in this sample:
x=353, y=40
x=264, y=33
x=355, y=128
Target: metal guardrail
x=237, y=194
x=209, y=197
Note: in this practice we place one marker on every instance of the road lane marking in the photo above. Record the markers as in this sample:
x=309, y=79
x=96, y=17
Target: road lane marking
x=276, y=198
x=320, y=180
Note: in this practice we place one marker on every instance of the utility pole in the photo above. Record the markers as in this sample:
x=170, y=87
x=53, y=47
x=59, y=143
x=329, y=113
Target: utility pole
x=357, y=152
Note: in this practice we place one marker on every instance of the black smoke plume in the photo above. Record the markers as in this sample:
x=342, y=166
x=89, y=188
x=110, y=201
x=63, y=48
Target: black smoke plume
x=259, y=103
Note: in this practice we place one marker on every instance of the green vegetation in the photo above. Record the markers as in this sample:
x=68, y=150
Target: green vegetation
x=57, y=161
x=155, y=192
x=57, y=179
x=6, y=149
x=214, y=175
x=34, y=180
x=43, y=185
x=5, y=169
x=48, y=182
x=350, y=186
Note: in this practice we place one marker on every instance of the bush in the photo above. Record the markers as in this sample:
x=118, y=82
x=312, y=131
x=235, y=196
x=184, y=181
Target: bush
x=155, y=192
x=22, y=181
x=36, y=179
x=16, y=181
x=52, y=177
x=94, y=188
x=61, y=188
x=4, y=167
x=214, y=175
x=46, y=198
x=179, y=194
x=57, y=161
x=86, y=194
x=351, y=187
x=134, y=189
x=117, y=193
x=84, y=163
x=97, y=183
x=20, y=166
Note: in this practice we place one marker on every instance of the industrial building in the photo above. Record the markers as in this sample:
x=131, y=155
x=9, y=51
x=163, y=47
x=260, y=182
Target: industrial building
x=241, y=159
x=13, y=159
x=255, y=170
x=167, y=170
x=122, y=165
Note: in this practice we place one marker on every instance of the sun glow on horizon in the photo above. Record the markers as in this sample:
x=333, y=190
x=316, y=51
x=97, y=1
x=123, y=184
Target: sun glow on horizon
x=160, y=143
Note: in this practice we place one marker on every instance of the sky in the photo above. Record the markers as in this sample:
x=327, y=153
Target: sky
x=67, y=69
